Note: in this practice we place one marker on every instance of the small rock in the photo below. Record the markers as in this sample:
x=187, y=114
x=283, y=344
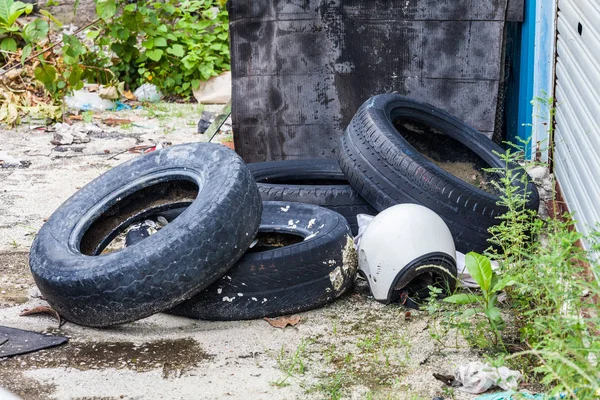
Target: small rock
x=62, y=137
x=548, y=185
x=538, y=173
x=81, y=137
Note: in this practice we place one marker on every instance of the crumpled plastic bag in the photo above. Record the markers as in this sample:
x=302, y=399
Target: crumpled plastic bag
x=148, y=93
x=86, y=101
x=477, y=377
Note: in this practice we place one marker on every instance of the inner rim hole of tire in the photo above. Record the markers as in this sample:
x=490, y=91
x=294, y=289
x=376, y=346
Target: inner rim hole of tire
x=135, y=207
x=448, y=154
x=274, y=240
x=308, y=181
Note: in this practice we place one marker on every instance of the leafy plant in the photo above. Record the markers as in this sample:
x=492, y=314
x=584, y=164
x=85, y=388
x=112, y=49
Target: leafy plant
x=553, y=290
x=13, y=35
x=182, y=42
x=63, y=75
x=480, y=268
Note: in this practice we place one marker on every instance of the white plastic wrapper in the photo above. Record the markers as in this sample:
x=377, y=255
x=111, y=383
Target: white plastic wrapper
x=148, y=93
x=86, y=101
x=477, y=377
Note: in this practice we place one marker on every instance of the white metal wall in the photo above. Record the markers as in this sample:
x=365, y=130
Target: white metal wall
x=577, y=135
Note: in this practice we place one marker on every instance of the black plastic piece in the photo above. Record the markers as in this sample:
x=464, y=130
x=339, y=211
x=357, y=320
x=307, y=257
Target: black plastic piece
x=18, y=341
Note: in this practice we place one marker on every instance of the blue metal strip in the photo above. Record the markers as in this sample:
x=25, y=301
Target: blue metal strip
x=525, y=113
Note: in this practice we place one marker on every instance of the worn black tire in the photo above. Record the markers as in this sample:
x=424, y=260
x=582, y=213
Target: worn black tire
x=318, y=182
x=286, y=280
x=386, y=170
x=163, y=270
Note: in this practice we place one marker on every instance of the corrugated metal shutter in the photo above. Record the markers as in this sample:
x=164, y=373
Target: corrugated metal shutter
x=577, y=135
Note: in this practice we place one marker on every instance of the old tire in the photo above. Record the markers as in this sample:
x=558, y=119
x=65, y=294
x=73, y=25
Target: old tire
x=317, y=182
x=284, y=280
x=99, y=290
x=387, y=170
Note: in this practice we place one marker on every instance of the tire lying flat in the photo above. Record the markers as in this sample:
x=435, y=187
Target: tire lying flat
x=386, y=170
x=318, y=182
x=94, y=289
x=284, y=280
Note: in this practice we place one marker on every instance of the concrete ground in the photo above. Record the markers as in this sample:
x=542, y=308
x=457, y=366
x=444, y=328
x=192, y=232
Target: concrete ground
x=355, y=348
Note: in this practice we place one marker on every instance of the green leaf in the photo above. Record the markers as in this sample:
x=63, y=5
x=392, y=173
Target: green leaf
x=177, y=50
x=160, y=42
x=480, y=268
x=10, y=11
x=26, y=53
x=51, y=17
x=493, y=313
x=5, y=6
x=106, y=9
x=75, y=76
x=130, y=7
x=92, y=34
x=463, y=298
x=45, y=73
x=503, y=283
x=8, y=44
x=155, y=54
x=35, y=30
x=195, y=84
x=149, y=44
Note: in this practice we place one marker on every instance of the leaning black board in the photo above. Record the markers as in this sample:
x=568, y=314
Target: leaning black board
x=301, y=69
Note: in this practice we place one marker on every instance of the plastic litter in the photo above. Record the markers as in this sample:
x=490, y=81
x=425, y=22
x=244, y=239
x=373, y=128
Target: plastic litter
x=148, y=93
x=85, y=101
x=121, y=106
x=509, y=396
x=477, y=377
x=23, y=342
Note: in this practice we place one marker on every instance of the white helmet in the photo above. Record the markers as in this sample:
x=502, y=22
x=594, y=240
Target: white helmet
x=405, y=249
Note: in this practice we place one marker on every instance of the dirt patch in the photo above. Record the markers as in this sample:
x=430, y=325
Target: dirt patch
x=15, y=279
x=172, y=356
x=370, y=350
x=448, y=154
x=26, y=388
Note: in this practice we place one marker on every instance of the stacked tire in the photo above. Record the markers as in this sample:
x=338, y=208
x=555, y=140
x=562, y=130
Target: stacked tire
x=260, y=240
x=200, y=264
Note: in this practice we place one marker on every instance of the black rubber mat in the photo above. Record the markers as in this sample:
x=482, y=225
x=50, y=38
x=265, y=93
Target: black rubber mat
x=18, y=341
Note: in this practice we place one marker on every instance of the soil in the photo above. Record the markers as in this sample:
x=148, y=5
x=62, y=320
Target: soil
x=449, y=155
x=354, y=348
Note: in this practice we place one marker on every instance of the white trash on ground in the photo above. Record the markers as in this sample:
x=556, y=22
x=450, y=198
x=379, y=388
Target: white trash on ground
x=477, y=377
x=148, y=93
x=86, y=101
